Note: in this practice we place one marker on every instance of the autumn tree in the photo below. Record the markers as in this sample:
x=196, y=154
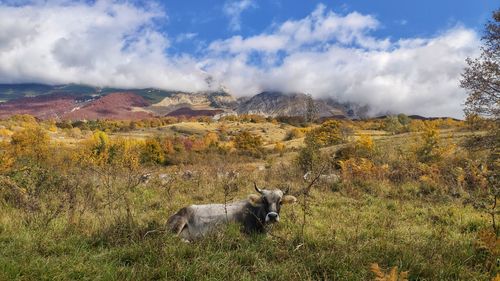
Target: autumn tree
x=481, y=80
x=309, y=155
x=312, y=110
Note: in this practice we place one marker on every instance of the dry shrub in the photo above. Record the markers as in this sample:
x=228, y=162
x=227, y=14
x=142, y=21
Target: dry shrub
x=392, y=275
x=488, y=246
x=7, y=159
x=11, y=193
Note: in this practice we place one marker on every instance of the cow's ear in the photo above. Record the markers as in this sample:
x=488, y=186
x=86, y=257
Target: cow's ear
x=255, y=199
x=288, y=199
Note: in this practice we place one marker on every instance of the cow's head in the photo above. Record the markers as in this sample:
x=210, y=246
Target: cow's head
x=270, y=201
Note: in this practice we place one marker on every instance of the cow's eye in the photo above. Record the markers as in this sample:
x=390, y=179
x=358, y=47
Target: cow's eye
x=280, y=202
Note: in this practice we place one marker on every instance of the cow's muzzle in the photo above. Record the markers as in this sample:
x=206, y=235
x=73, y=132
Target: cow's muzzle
x=272, y=217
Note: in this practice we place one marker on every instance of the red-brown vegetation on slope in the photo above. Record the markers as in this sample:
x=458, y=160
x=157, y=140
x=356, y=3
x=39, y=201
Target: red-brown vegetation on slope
x=117, y=106
x=43, y=107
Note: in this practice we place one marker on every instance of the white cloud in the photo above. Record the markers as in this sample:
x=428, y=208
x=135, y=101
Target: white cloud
x=330, y=55
x=105, y=43
x=320, y=26
x=234, y=8
x=326, y=54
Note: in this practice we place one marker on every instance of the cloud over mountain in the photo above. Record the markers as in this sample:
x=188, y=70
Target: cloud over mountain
x=326, y=54
x=104, y=43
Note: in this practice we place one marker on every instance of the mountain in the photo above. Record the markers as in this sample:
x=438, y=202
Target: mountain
x=281, y=104
x=73, y=101
x=207, y=99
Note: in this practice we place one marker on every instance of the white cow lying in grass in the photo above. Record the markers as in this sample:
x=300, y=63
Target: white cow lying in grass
x=253, y=214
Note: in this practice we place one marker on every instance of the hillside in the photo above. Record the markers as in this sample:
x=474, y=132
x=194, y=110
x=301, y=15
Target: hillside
x=117, y=106
x=43, y=106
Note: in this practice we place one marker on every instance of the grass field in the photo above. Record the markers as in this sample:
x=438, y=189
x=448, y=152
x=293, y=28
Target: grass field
x=349, y=224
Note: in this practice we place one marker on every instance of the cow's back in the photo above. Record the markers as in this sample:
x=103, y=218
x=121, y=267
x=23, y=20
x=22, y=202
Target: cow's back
x=197, y=220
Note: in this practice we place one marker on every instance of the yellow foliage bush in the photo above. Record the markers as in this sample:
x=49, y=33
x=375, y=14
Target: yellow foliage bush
x=279, y=147
x=431, y=148
x=227, y=147
x=32, y=142
x=6, y=159
x=246, y=141
x=416, y=125
x=5, y=132
x=210, y=139
x=297, y=133
x=329, y=133
x=362, y=169
x=152, y=152
x=364, y=146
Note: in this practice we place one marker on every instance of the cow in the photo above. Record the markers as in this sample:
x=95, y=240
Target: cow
x=253, y=214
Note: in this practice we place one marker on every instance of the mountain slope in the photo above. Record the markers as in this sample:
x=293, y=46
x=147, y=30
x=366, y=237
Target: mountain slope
x=44, y=106
x=117, y=106
x=280, y=104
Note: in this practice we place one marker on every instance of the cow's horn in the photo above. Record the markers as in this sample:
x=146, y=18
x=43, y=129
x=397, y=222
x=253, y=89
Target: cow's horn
x=256, y=188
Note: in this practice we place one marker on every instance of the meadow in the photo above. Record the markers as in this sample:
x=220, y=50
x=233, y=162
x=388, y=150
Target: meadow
x=395, y=199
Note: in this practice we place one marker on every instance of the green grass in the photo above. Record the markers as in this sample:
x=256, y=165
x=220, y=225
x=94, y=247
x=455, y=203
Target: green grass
x=349, y=227
x=344, y=235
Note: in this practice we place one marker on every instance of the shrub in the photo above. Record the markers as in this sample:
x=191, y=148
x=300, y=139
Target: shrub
x=248, y=142
x=431, y=149
x=356, y=169
x=364, y=146
x=296, y=133
x=210, y=139
x=279, y=147
x=392, y=275
x=329, y=133
x=392, y=125
x=152, y=152
x=32, y=143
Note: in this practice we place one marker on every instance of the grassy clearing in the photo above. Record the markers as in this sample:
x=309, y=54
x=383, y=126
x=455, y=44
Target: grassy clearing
x=415, y=224
x=434, y=241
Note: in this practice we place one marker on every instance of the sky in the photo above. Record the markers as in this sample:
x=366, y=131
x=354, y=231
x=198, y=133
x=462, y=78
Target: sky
x=394, y=56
